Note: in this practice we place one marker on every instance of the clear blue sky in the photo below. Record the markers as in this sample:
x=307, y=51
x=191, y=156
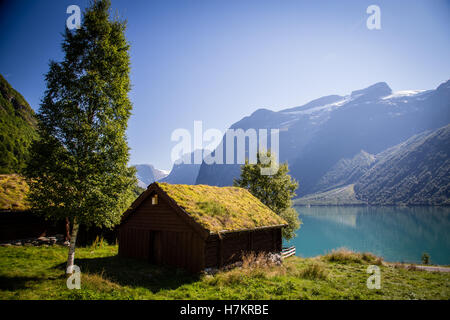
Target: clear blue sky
x=218, y=61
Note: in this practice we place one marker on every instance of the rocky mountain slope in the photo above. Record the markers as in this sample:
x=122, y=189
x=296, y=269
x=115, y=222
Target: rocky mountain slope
x=17, y=128
x=184, y=173
x=147, y=174
x=415, y=172
x=316, y=139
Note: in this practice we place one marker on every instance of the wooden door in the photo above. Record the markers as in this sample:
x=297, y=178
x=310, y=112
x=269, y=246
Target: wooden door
x=155, y=245
x=151, y=247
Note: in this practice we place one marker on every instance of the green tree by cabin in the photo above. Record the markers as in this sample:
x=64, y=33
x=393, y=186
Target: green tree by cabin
x=78, y=167
x=275, y=191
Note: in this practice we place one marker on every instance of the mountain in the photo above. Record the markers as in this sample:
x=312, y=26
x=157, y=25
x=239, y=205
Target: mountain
x=415, y=172
x=316, y=136
x=160, y=174
x=346, y=171
x=184, y=173
x=17, y=128
x=342, y=196
x=147, y=174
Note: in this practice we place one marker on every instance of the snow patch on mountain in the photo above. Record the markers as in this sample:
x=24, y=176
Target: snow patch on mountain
x=403, y=93
x=327, y=107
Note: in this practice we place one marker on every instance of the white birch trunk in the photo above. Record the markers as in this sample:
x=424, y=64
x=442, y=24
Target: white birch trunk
x=73, y=240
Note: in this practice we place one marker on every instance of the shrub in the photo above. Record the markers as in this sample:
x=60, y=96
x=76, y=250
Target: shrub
x=254, y=265
x=252, y=260
x=425, y=258
x=344, y=255
x=99, y=243
x=314, y=271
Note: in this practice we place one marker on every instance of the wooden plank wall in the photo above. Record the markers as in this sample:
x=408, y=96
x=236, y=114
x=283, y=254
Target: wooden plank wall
x=175, y=243
x=182, y=249
x=156, y=217
x=229, y=248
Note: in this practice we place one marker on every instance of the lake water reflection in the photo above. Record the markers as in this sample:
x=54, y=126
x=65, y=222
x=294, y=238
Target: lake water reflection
x=396, y=233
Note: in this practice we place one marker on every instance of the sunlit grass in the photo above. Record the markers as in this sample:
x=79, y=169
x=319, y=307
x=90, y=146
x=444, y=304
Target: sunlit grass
x=38, y=273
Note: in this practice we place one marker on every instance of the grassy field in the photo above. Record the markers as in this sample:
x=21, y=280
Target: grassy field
x=38, y=273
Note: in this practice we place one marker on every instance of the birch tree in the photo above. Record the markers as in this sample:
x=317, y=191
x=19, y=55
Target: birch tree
x=78, y=167
x=275, y=191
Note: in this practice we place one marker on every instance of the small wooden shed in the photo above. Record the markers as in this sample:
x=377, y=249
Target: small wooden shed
x=197, y=226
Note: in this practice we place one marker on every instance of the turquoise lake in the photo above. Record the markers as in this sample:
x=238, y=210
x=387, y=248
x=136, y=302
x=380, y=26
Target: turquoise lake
x=398, y=234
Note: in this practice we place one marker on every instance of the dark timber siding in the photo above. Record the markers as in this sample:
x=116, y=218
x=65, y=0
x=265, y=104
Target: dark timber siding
x=158, y=234
x=228, y=248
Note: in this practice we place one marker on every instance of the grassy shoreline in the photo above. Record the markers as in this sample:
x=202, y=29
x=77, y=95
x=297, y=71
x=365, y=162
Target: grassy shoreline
x=38, y=273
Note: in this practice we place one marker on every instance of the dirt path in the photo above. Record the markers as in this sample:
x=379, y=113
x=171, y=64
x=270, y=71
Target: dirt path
x=434, y=269
x=416, y=267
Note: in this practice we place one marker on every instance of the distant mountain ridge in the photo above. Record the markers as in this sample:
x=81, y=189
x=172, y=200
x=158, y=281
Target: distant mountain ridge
x=346, y=171
x=184, y=173
x=415, y=172
x=316, y=138
x=147, y=174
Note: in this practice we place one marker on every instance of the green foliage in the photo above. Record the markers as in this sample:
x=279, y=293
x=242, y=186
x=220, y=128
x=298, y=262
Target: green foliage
x=17, y=129
x=290, y=215
x=275, y=191
x=137, y=190
x=425, y=258
x=78, y=167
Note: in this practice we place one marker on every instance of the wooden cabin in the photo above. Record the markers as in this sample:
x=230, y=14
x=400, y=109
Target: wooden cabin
x=197, y=226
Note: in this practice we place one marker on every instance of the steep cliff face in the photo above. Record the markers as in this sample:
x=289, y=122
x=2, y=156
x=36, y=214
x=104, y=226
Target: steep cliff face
x=184, y=173
x=416, y=172
x=17, y=128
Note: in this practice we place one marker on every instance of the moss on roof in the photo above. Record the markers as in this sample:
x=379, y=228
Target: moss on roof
x=222, y=208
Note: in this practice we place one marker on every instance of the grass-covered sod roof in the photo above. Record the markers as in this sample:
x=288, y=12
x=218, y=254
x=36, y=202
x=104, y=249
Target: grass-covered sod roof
x=222, y=208
x=13, y=191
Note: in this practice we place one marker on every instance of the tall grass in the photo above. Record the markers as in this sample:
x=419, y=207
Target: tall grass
x=314, y=271
x=344, y=255
x=99, y=243
x=253, y=266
